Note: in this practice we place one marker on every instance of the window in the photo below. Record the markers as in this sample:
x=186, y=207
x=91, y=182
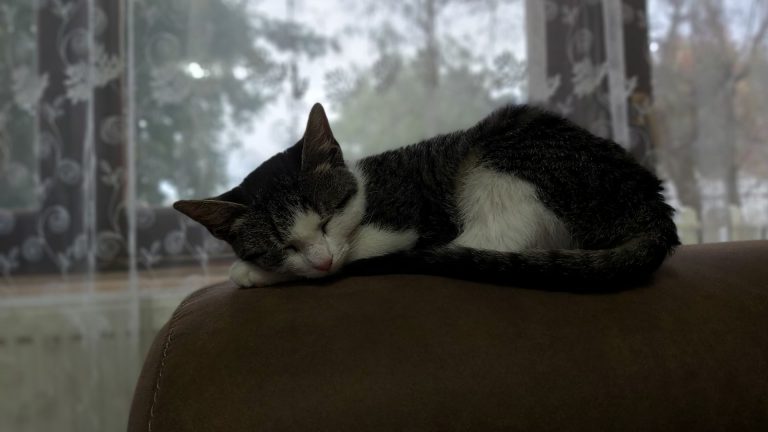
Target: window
x=710, y=83
x=111, y=110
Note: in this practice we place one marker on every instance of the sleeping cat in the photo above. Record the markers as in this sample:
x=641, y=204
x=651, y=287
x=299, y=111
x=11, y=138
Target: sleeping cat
x=523, y=197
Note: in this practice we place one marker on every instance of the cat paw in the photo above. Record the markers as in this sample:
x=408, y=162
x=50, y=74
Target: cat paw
x=245, y=275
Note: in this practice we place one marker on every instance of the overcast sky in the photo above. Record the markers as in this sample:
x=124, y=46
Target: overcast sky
x=267, y=134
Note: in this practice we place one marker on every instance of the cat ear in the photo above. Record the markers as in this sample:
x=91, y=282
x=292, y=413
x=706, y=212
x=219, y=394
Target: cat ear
x=215, y=215
x=320, y=149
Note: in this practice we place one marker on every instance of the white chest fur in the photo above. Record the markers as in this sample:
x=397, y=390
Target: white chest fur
x=502, y=212
x=372, y=241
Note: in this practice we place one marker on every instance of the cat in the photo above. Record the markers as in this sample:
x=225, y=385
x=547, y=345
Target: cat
x=523, y=197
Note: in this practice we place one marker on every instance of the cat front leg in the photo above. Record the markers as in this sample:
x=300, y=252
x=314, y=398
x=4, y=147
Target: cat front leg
x=245, y=274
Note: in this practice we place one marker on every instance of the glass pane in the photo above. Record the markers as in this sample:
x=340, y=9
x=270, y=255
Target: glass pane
x=710, y=73
x=112, y=110
x=92, y=260
x=211, y=104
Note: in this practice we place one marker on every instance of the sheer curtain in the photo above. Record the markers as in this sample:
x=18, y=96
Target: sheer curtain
x=111, y=110
x=96, y=117
x=709, y=68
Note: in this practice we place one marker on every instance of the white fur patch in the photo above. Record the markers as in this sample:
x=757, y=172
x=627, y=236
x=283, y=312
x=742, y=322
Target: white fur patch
x=370, y=240
x=343, y=228
x=313, y=248
x=245, y=274
x=502, y=212
x=373, y=241
x=344, y=240
x=305, y=228
x=337, y=242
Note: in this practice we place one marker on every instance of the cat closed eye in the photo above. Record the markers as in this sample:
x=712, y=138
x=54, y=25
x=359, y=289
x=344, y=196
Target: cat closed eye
x=291, y=248
x=324, y=225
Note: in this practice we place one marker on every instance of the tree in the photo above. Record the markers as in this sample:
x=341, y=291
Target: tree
x=374, y=118
x=425, y=80
x=199, y=68
x=707, y=81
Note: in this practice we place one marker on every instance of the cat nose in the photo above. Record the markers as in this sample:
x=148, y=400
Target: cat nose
x=323, y=265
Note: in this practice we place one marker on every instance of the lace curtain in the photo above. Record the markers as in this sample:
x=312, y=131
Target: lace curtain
x=110, y=110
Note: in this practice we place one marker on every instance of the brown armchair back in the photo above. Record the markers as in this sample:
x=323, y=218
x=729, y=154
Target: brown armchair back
x=412, y=353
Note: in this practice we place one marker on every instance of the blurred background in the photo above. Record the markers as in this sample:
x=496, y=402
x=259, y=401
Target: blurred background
x=112, y=109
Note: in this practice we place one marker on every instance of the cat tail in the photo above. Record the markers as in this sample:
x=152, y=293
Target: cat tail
x=581, y=270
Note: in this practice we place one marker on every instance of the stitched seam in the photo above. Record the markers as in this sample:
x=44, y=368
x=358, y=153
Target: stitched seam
x=167, y=345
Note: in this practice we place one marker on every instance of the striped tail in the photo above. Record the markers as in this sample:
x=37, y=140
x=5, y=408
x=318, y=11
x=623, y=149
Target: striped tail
x=582, y=270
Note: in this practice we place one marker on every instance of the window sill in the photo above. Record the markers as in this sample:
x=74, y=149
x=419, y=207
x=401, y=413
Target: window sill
x=168, y=280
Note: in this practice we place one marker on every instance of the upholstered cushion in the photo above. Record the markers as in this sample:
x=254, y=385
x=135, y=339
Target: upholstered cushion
x=687, y=352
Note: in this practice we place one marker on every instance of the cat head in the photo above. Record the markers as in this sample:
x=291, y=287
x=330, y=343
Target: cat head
x=296, y=213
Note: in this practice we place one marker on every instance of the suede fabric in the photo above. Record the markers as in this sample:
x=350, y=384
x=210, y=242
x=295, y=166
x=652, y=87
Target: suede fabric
x=687, y=352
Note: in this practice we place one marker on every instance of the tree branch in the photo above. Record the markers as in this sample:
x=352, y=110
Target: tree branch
x=741, y=70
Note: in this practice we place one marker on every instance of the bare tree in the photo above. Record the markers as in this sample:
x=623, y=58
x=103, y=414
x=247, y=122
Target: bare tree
x=700, y=67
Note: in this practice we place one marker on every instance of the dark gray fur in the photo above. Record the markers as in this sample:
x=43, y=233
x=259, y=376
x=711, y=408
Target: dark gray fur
x=611, y=205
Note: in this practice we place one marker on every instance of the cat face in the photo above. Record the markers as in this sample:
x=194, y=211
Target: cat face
x=297, y=213
x=301, y=229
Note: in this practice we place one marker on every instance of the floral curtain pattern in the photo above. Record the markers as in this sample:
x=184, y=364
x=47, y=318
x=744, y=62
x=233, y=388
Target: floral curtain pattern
x=69, y=71
x=71, y=214
x=71, y=335
x=577, y=84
